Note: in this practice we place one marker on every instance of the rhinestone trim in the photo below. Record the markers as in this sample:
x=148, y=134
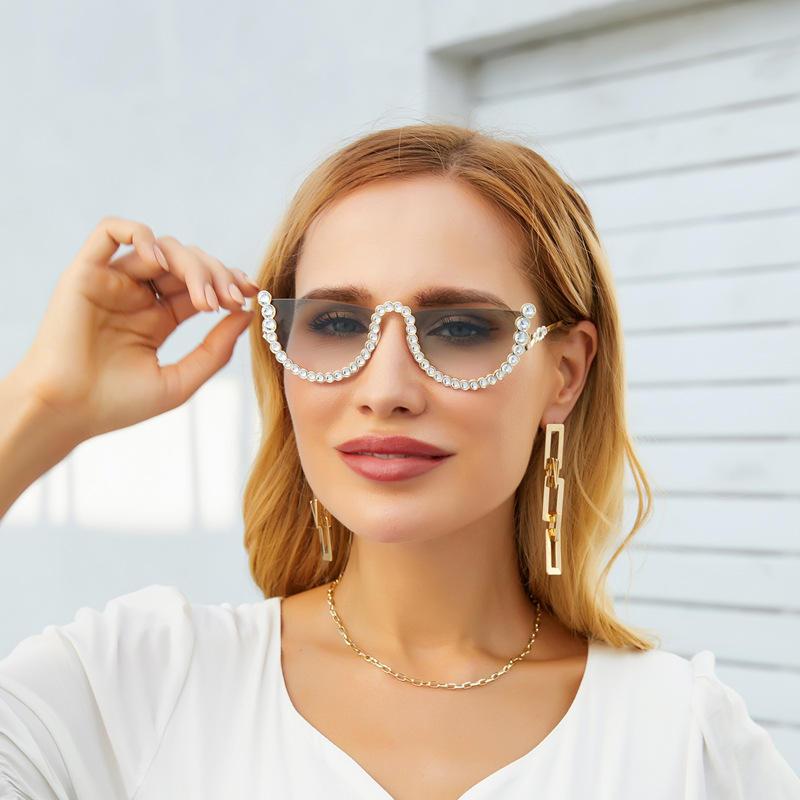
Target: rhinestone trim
x=523, y=340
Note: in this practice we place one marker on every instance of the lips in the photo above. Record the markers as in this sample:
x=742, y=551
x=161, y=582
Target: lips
x=391, y=458
x=391, y=469
x=376, y=445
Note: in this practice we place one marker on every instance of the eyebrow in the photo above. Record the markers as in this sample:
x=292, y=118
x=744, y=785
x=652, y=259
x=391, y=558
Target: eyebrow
x=430, y=297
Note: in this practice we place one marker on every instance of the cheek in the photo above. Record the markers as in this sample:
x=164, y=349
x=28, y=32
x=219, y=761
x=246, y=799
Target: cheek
x=521, y=400
x=502, y=437
x=316, y=413
x=307, y=415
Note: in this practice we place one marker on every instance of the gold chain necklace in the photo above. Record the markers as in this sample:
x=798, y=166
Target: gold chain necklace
x=433, y=684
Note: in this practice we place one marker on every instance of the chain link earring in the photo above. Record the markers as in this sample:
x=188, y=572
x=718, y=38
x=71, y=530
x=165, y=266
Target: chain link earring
x=552, y=480
x=322, y=520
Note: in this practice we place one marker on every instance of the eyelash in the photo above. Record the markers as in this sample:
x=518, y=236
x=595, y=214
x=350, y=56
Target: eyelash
x=321, y=323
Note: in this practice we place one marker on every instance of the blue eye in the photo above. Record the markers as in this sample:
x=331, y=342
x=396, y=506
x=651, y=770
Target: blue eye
x=462, y=332
x=337, y=324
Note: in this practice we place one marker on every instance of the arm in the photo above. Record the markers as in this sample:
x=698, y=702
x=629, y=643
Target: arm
x=32, y=438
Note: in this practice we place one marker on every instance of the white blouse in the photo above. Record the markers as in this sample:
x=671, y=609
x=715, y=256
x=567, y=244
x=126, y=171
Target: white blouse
x=156, y=698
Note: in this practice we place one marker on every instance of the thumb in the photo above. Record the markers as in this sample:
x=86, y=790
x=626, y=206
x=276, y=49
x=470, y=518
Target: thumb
x=186, y=376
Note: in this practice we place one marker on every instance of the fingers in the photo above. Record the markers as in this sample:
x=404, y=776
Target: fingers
x=186, y=376
x=110, y=233
x=131, y=295
x=246, y=278
x=210, y=283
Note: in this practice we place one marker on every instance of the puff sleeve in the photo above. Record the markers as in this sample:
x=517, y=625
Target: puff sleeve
x=730, y=757
x=83, y=706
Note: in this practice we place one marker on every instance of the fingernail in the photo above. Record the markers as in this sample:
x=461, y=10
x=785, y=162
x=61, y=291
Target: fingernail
x=235, y=293
x=211, y=296
x=160, y=257
x=247, y=277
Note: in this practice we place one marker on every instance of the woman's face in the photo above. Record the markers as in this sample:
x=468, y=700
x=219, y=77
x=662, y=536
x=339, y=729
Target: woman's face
x=397, y=237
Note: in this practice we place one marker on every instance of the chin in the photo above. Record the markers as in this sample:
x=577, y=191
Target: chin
x=384, y=537
x=394, y=526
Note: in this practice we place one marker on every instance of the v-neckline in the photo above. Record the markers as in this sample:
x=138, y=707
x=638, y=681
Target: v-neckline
x=482, y=784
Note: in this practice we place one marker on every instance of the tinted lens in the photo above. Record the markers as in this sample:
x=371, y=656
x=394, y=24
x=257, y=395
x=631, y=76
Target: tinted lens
x=324, y=335
x=466, y=342
x=321, y=335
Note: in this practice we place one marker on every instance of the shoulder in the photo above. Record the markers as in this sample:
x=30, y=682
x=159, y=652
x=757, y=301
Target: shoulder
x=115, y=676
x=728, y=752
x=159, y=620
x=235, y=637
x=660, y=678
x=99, y=688
x=676, y=710
x=131, y=627
x=162, y=632
x=644, y=672
x=641, y=696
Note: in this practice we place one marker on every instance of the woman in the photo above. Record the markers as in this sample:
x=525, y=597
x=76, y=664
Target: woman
x=429, y=528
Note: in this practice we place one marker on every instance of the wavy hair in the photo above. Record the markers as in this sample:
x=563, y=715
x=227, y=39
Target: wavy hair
x=565, y=261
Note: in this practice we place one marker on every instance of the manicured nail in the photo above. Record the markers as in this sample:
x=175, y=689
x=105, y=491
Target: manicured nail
x=246, y=277
x=211, y=296
x=235, y=293
x=160, y=257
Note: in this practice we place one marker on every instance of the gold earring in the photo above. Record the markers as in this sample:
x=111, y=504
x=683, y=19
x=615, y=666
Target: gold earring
x=322, y=519
x=552, y=466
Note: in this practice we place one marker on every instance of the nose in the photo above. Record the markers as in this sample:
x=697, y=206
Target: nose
x=391, y=380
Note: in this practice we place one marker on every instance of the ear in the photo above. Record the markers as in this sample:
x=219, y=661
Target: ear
x=572, y=355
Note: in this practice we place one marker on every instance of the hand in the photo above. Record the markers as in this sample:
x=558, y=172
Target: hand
x=94, y=360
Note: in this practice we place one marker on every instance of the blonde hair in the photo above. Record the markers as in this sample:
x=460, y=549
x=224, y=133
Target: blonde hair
x=565, y=261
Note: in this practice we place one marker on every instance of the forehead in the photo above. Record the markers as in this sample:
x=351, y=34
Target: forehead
x=396, y=236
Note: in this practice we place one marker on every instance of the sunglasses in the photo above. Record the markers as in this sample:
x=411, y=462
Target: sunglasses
x=323, y=341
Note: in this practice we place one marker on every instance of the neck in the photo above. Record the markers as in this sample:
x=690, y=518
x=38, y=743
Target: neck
x=454, y=598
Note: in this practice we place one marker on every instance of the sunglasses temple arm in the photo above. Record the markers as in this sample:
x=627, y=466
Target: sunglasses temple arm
x=548, y=328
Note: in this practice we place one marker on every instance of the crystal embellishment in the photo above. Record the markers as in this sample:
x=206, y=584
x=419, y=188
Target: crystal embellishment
x=523, y=340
